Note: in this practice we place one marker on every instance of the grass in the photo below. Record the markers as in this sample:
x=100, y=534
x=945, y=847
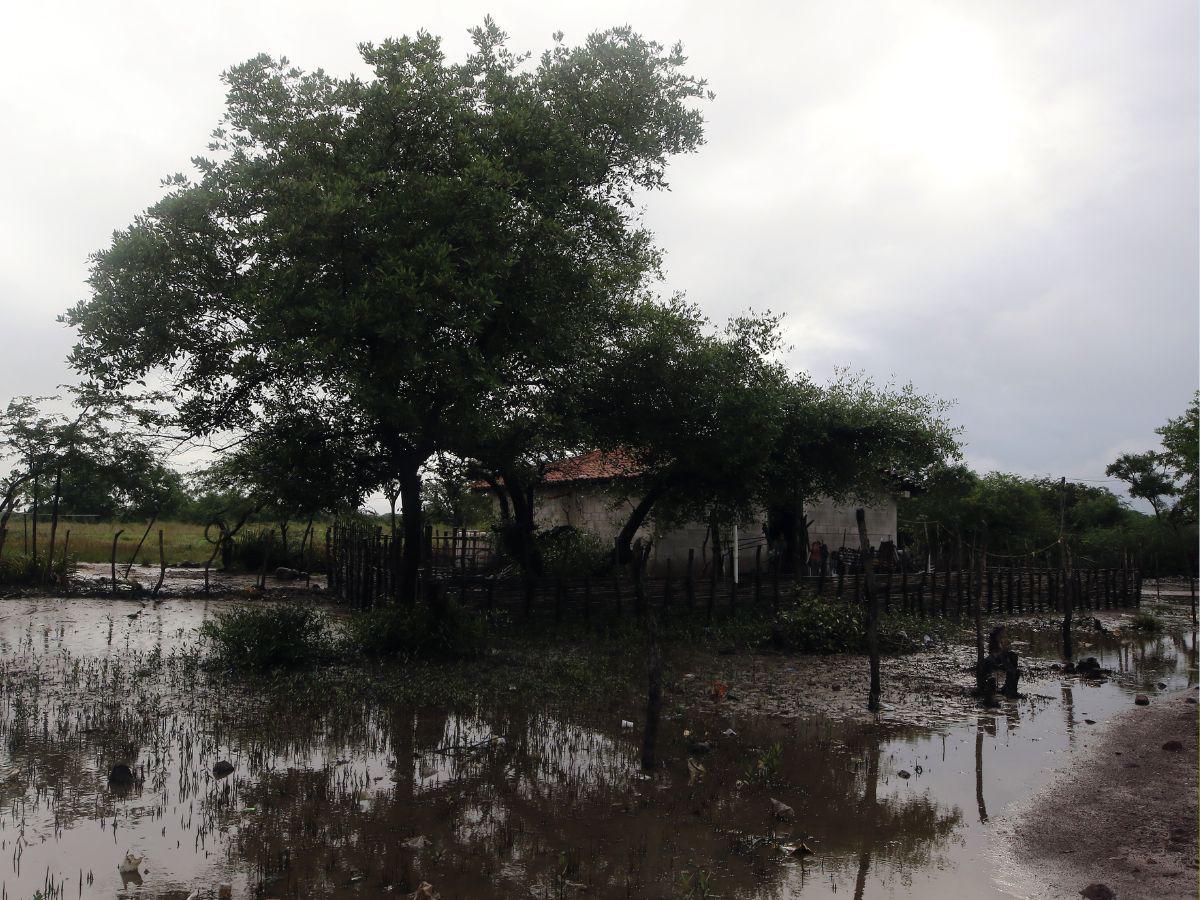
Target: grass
x=91, y=542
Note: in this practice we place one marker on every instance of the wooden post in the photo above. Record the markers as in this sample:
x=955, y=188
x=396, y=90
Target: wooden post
x=587, y=598
x=162, y=565
x=113, y=561
x=560, y=590
x=653, y=698
x=66, y=546
x=872, y=609
x=904, y=589
x=981, y=675
x=712, y=589
x=758, y=575
x=690, y=586
x=666, y=598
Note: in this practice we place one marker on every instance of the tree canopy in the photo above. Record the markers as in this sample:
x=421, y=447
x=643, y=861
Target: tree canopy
x=406, y=246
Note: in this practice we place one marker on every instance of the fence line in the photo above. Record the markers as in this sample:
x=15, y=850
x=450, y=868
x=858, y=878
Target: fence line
x=364, y=565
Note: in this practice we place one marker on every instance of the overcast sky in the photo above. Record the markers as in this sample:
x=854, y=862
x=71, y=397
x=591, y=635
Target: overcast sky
x=995, y=200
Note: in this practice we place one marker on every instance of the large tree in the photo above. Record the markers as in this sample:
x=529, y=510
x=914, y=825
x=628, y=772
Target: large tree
x=406, y=246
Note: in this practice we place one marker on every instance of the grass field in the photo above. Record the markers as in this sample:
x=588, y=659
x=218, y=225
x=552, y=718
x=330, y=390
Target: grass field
x=183, y=542
x=92, y=541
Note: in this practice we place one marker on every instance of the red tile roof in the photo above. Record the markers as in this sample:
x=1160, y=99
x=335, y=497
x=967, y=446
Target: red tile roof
x=595, y=465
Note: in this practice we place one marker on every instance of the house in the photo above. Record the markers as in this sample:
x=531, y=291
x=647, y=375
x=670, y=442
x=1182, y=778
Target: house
x=583, y=492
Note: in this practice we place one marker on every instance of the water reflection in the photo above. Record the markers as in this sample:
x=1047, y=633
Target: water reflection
x=336, y=799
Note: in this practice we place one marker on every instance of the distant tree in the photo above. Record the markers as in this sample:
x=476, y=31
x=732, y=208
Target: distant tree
x=1167, y=479
x=404, y=246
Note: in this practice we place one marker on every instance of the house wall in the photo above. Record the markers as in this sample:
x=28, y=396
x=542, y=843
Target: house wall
x=594, y=508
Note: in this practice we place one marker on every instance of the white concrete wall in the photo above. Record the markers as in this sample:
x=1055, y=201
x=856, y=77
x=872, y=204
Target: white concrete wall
x=595, y=508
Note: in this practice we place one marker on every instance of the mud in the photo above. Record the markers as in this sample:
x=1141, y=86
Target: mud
x=337, y=796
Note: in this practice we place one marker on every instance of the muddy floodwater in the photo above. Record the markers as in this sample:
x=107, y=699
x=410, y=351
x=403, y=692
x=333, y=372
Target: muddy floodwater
x=331, y=798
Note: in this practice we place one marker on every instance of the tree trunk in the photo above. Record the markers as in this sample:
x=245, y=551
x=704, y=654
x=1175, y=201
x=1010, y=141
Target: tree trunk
x=872, y=608
x=412, y=522
x=636, y=518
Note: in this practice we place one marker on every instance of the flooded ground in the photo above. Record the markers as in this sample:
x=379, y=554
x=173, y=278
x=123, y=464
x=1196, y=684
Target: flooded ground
x=330, y=798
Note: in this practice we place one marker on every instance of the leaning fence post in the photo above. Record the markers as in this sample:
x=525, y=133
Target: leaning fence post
x=113, y=560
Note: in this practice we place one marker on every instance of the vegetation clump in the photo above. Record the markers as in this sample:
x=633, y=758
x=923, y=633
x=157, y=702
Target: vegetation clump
x=1147, y=621
x=261, y=638
x=817, y=625
x=445, y=630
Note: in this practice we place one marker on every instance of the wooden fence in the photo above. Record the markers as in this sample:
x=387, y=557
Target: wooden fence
x=364, y=564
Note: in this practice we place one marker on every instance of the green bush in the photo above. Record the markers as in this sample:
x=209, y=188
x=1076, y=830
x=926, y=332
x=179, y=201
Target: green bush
x=571, y=553
x=832, y=626
x=822, y=626
x=447, y=630
x=23, y=569
x=1145, y=621
x=269, y=637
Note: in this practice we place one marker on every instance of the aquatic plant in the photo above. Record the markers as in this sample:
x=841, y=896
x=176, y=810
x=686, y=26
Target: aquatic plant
x=447, y=630
x=1147, y=621
x=283, y=636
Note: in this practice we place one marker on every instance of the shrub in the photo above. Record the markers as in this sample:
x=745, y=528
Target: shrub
x=822, y=626
x=571, y=553
x=269, y=637
x=251, y=546
x=23, y=569
x=1146, y=621
x=447, y=630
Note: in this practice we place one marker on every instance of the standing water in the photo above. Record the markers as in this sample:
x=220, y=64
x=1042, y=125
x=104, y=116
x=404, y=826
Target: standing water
x=329, y=798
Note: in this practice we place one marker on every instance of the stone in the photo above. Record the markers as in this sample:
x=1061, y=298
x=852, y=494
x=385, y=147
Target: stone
x=1141, y=700
x=1098, y=891
x=904, y=773
x=1162, y=685
x=1173, y=746
x=1191, y=699
x=782, y=811
x=120, y=775
x=222, y=768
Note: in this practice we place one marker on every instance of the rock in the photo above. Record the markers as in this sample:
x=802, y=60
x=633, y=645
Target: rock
x=420, y=842
x=1141, y=700
x=782, y=811
x=1173, y=746
x=1098, y=891
x=1089, y=668
x=225, y=891
x=283, y=573
x=1162, y=685
x=730, y=733
x=904, y=774
x=222, y=768
x=120, y=775
x=1191, y=699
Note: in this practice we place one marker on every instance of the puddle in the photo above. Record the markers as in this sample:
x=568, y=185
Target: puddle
x=508, y=801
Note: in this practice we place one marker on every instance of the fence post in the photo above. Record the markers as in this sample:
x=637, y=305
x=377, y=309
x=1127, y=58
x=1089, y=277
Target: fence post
x=690, y=584
x=758, y=575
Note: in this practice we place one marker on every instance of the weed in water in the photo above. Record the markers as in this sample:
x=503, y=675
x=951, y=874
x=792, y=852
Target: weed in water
x=283, y=636
x=1147, y=621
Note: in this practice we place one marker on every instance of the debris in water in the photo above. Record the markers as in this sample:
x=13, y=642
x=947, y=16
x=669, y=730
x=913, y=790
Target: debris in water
x=424, y=891
x=222, y=768
x=225, y=891
x=420, y=842
x=782, y=811
x=719, y=690
x=130, y=863
x=904, y=773
x=626, y=724
x=120, y=775
x=695, y=771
